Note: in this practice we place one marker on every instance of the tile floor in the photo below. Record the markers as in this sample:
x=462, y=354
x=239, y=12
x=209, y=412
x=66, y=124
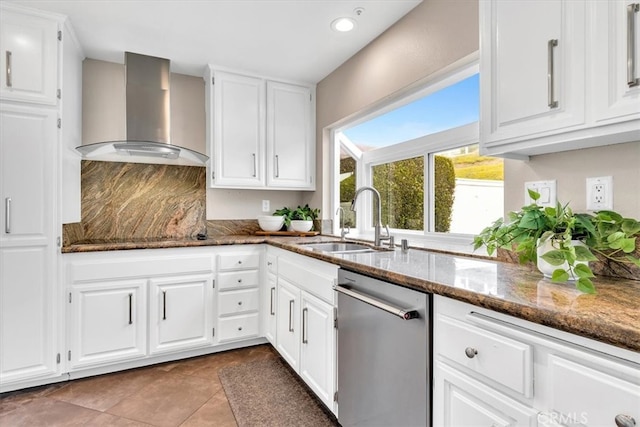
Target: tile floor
x=182, y=393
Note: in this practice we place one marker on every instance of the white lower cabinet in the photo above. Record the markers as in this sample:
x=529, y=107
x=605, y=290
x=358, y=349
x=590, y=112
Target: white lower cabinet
x=125, y=306
x=288, y=323
x=318, y=347
x=462, y=401
x=179, y=313
x=269, y=297
x=238, y=294
x=108, y=322
x=305, y=332
x=493, y=369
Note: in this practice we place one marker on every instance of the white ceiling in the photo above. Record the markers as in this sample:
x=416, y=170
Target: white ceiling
x=288, y=39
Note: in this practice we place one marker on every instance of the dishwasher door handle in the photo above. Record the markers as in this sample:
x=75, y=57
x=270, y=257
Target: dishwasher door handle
x=404, y=314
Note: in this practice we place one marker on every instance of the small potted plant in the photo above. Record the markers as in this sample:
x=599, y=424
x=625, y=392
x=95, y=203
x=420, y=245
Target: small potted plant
x=299, y=219
x=562, y=242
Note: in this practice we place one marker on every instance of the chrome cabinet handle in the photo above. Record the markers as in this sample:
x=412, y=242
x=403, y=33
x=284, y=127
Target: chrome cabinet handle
x=632, y=80
x=255, y=165
x=164, y=305
x=9, y=76
x=291, y=315
x=623, y=420
x=273, y=291
x=551, y=73
x=304, y=325
x=277, y=166
x=470, y=352
x=7, y=215
x=131, y=309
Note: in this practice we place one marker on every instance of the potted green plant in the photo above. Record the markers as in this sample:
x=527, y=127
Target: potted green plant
x=299, y=219
x=562, y=242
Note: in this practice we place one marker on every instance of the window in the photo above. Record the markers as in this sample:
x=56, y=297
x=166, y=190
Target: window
x=421, y=154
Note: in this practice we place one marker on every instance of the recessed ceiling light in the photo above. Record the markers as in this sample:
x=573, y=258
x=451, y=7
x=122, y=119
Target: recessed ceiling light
x=343, y=24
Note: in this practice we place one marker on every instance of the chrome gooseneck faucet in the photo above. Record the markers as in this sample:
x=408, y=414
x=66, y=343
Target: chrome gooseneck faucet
x=377, y=223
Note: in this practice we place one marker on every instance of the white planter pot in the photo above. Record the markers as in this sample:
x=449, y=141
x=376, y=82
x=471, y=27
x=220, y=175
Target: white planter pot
x=548, y=269
x=301, y=226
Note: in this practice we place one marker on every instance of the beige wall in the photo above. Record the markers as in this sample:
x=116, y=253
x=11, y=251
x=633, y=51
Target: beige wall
x=571, y=168
x=433, y=35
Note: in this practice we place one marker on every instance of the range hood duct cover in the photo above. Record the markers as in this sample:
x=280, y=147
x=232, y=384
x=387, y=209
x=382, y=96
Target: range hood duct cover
x=148, y=118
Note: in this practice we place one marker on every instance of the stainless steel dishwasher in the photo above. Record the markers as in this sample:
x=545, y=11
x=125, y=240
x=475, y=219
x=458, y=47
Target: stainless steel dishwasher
x=383, y=353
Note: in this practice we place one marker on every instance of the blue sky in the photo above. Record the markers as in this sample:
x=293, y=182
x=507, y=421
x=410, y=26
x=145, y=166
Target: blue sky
x=452, y=106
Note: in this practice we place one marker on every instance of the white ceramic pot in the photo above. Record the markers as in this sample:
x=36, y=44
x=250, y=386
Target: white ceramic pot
x=548, y=269
x=270, y=223
x=301, y=226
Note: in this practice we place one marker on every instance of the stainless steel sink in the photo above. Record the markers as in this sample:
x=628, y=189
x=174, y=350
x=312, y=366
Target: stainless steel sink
x=339, y=247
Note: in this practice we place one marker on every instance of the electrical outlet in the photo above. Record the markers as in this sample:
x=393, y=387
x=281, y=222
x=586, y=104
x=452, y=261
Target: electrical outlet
x=546, y=189
x=600, y=193
x=266, y=206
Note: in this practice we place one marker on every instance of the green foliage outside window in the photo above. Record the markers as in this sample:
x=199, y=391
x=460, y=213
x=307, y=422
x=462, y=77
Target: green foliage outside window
x=444, y=188
x=401, y=187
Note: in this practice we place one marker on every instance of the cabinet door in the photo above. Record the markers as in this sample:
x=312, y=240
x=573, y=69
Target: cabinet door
x=317, y=367
x=27, y=186
x=529, y=85
x=462, y=401
x=616, y=87
x=269, y=307
x=28, y=298
x=180, y=313
x=238, y=131
x=28, y=308
x=29, y=47
x=289, y=136
x=288, y=322
x=108, y=322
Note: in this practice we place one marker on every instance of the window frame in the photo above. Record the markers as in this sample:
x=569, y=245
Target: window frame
x=426, y=146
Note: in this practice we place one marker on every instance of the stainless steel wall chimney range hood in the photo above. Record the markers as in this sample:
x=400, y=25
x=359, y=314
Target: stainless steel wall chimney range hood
x=147, y=119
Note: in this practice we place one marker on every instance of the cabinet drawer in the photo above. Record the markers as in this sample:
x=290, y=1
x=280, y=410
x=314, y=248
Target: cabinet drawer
x=236, y=302
x=238, y=327
x=501, y=359
x=592, y=397
x=238, y=279
x=238, y=261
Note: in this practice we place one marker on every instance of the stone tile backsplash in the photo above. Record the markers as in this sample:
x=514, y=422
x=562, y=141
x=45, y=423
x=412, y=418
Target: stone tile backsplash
x=141, y=201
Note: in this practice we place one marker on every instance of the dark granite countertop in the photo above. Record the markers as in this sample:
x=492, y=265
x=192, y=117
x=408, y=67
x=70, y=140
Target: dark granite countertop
x=611, y=316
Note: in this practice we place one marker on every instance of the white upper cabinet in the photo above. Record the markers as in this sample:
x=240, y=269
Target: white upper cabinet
x=616, y=59
x=29, y=56
x=289, y=136
x=259, y=133
x=237, y=154
x=553, y=76
x=532, y=68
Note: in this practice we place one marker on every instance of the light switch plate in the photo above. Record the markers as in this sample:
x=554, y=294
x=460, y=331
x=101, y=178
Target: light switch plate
x=547, y=191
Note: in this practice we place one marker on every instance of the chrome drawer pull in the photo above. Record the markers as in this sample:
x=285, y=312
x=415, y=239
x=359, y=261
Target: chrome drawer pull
x=7, y=215
x=273, y=313
x=304, y=325
x=550, y=73
x=623, y=420
x=8, y=73
x=470, y=352
x=164, y=305
x=291, y=315
x=632, y=80
x=131, y=309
